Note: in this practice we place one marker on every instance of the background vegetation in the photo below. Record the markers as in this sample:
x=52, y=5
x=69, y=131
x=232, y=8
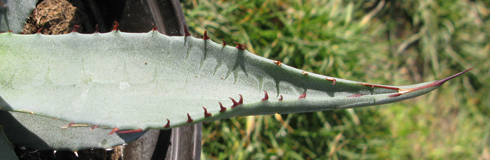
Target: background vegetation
x=376, y=41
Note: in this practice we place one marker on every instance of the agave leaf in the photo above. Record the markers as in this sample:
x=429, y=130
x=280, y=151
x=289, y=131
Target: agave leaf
x=149, y=80
x=14, y=13
x=6, y=150
x=43, y=133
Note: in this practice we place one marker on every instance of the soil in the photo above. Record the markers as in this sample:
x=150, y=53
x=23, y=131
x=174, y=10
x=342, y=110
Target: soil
x=52, y=17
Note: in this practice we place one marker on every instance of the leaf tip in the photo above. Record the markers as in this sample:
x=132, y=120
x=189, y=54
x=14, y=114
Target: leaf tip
x=442, y=81
x=437, y=83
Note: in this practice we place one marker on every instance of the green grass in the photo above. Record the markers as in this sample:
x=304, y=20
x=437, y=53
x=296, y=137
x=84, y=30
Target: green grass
x=397, y=43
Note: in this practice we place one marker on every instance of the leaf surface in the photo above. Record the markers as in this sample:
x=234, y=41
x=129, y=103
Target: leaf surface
x=149, y=80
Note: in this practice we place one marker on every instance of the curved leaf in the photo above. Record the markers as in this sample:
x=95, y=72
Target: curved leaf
x=149, y=80
x=47, y=133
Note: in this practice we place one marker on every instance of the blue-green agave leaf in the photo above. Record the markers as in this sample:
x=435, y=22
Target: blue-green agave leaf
x=137, y=81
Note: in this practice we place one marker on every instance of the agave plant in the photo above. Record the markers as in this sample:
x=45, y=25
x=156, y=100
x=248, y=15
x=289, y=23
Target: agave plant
x=78, y=91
